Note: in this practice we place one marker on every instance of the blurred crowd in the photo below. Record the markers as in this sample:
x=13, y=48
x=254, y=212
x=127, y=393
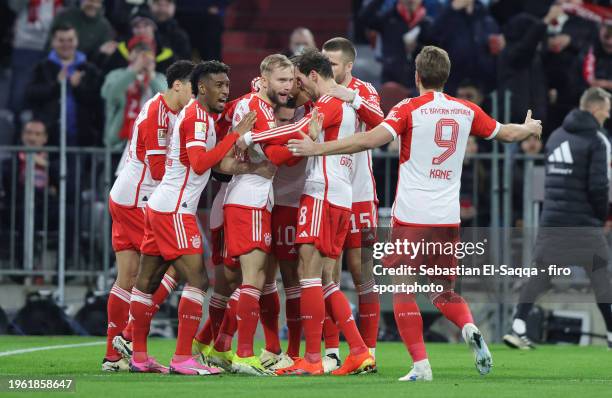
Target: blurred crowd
x=113, y=53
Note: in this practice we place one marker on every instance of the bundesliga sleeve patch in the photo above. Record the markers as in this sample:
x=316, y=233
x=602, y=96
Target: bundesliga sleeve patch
x=161, y=137
x=200, y=131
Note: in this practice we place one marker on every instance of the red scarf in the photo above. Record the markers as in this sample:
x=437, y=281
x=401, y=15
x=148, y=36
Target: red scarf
x=132, y=106
x=34, y=5
x=411, y=19
x=41, y=176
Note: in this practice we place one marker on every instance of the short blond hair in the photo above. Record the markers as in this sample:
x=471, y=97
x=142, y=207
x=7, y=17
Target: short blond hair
x=274, y=61
x=433, y=66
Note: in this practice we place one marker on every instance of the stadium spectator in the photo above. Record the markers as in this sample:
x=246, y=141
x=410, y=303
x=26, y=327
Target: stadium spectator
x=168, y=28
x=93, y=29
x=403, y=30
x=142, y=24
x=32, y=26
x=471, y=37
x=301, y=38
x=46, y=171
x=531, y=146
x=83, y=120
x=574, y=211
x=521, y=69
x=119, y=13
x=204, y=19
x=125, y=90
x=597, y=63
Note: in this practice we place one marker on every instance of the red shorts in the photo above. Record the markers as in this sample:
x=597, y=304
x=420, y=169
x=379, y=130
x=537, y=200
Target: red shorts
x=363, y=223
x=171, y=235
x=323, y=225
x=284, y=220
x=438, y=256
x=128, y=226
x=246, y=229
x=219, y=253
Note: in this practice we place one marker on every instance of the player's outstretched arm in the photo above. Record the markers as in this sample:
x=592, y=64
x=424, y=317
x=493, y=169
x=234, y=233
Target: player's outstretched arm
x=518, y=132
x=359, y=142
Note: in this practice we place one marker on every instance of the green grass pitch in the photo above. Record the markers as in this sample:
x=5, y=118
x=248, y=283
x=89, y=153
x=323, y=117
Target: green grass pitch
x=549, y=371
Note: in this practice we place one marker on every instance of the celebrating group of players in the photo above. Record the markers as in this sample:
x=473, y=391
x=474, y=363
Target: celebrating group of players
x=297, y=189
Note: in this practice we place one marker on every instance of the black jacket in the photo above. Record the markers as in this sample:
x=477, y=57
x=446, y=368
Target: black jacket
x=177, y=39
x=577, y=166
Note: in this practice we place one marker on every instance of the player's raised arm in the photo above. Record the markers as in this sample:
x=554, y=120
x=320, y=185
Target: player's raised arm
x=367, y=108
x=518, y=132
x=356, y=143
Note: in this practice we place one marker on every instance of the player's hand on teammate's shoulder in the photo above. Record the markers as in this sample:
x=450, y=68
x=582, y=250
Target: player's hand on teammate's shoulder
x=304, y=147
x=534, y=125
x=265, y=169
x=315, y=125
x=246, y=124
x=342, y=93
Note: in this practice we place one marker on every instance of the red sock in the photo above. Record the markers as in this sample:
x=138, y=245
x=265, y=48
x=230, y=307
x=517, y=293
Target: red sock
x=294, y=323
x=167, y=285
x=269, y=310
x=189, y=315
x=331, y=333
x=216, y=310
x=117, y=309
x=223, y=341
x=248, y=318
x=205, y=335
x=142, y=310
x=369, y=313
x=338, y=307
x=410, y=325
x=454, y=308
x=312, y=309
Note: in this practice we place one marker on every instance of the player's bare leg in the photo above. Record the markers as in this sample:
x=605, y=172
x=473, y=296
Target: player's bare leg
x=118, y=307
x=456, y=310
x=142, y=309
x=192, y=270
x=359, y=360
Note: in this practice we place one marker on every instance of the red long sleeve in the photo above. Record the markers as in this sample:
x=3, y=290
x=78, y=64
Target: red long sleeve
x=280, y=155
x=202, y=160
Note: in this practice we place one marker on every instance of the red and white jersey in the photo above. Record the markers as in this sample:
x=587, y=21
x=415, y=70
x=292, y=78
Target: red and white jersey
x=433, y=131
x=367, y=105
x=134, y=185
x=181, y=187
x=288, y=183
x=252, y=190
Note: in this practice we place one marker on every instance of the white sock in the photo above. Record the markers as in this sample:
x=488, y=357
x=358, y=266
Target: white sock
x=519, y=326
x=422, y=364
x=609, y=336
x=333, y=351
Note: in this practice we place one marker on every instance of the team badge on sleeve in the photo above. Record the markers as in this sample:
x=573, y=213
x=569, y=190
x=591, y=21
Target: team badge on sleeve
x=200, y=131
x=162, y=135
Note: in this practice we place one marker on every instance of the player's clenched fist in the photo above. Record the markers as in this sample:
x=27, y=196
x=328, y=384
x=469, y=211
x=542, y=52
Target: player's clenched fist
x=534, y=125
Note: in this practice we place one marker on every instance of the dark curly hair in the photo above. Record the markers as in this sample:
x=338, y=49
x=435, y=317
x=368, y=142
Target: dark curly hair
x=204, y=69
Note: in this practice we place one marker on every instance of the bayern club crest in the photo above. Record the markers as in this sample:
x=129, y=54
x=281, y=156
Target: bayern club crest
x=268, y=238
x=196, y=242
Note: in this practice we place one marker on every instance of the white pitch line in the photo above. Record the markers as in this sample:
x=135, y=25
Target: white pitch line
x=49, y=347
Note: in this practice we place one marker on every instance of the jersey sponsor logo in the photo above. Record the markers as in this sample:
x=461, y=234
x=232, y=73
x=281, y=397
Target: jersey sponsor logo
x=268, y=238
x=200, y=131
x=161, y=137
x=196, y=241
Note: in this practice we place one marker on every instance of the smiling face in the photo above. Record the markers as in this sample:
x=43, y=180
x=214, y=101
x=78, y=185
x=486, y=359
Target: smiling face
x=34, y=134
x=278, y=85
x=65, y=43
x=215, y=90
